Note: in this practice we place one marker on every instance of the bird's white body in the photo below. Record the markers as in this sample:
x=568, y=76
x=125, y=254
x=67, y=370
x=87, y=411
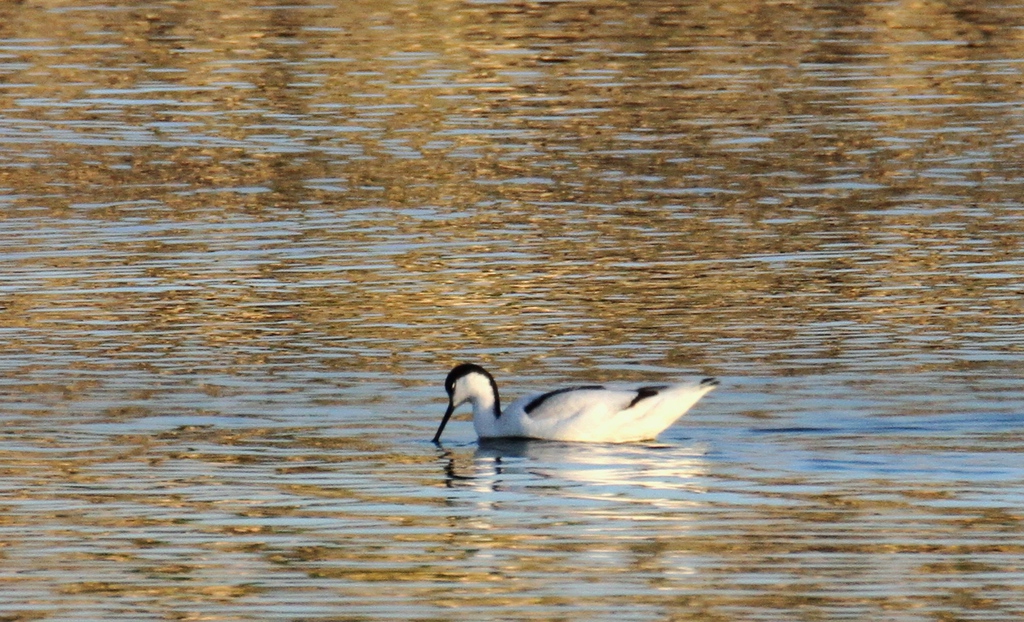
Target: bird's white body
x=595, y=415
x=590, y=414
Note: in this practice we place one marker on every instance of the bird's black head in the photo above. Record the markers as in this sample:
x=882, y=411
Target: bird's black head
x=459, y=393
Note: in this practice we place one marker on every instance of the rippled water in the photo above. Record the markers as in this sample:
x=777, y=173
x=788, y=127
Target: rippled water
x=241, y=245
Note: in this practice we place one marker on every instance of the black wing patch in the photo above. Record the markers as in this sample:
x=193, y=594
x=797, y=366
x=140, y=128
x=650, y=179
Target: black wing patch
x=645, y=392
x=540, y=399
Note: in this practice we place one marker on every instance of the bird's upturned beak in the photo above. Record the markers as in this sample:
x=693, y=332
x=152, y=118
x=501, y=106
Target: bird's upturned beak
x=444, y=421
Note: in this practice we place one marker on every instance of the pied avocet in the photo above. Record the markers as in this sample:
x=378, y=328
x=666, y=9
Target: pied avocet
x=587, y=413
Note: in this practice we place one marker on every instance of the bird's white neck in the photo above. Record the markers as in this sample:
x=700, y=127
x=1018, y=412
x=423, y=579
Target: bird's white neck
x=485, y=414
x=484, y=406
x=481, y=392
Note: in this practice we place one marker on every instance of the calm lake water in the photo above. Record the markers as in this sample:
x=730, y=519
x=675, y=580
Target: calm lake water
x=241, y=244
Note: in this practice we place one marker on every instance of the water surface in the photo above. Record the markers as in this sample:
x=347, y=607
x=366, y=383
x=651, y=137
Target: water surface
x=243, y=243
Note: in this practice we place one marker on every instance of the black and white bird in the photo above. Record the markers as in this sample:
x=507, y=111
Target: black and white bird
x=587, y=413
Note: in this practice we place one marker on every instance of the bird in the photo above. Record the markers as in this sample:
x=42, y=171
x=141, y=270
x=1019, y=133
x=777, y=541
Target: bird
x=588, y=413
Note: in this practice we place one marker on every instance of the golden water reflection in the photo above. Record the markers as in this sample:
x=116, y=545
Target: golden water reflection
x=210, y=518
x=241, y=243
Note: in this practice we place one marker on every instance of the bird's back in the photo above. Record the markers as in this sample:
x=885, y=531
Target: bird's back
x=600, y=414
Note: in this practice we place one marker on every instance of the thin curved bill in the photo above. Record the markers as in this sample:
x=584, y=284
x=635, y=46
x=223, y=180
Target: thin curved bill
x=444, y=422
